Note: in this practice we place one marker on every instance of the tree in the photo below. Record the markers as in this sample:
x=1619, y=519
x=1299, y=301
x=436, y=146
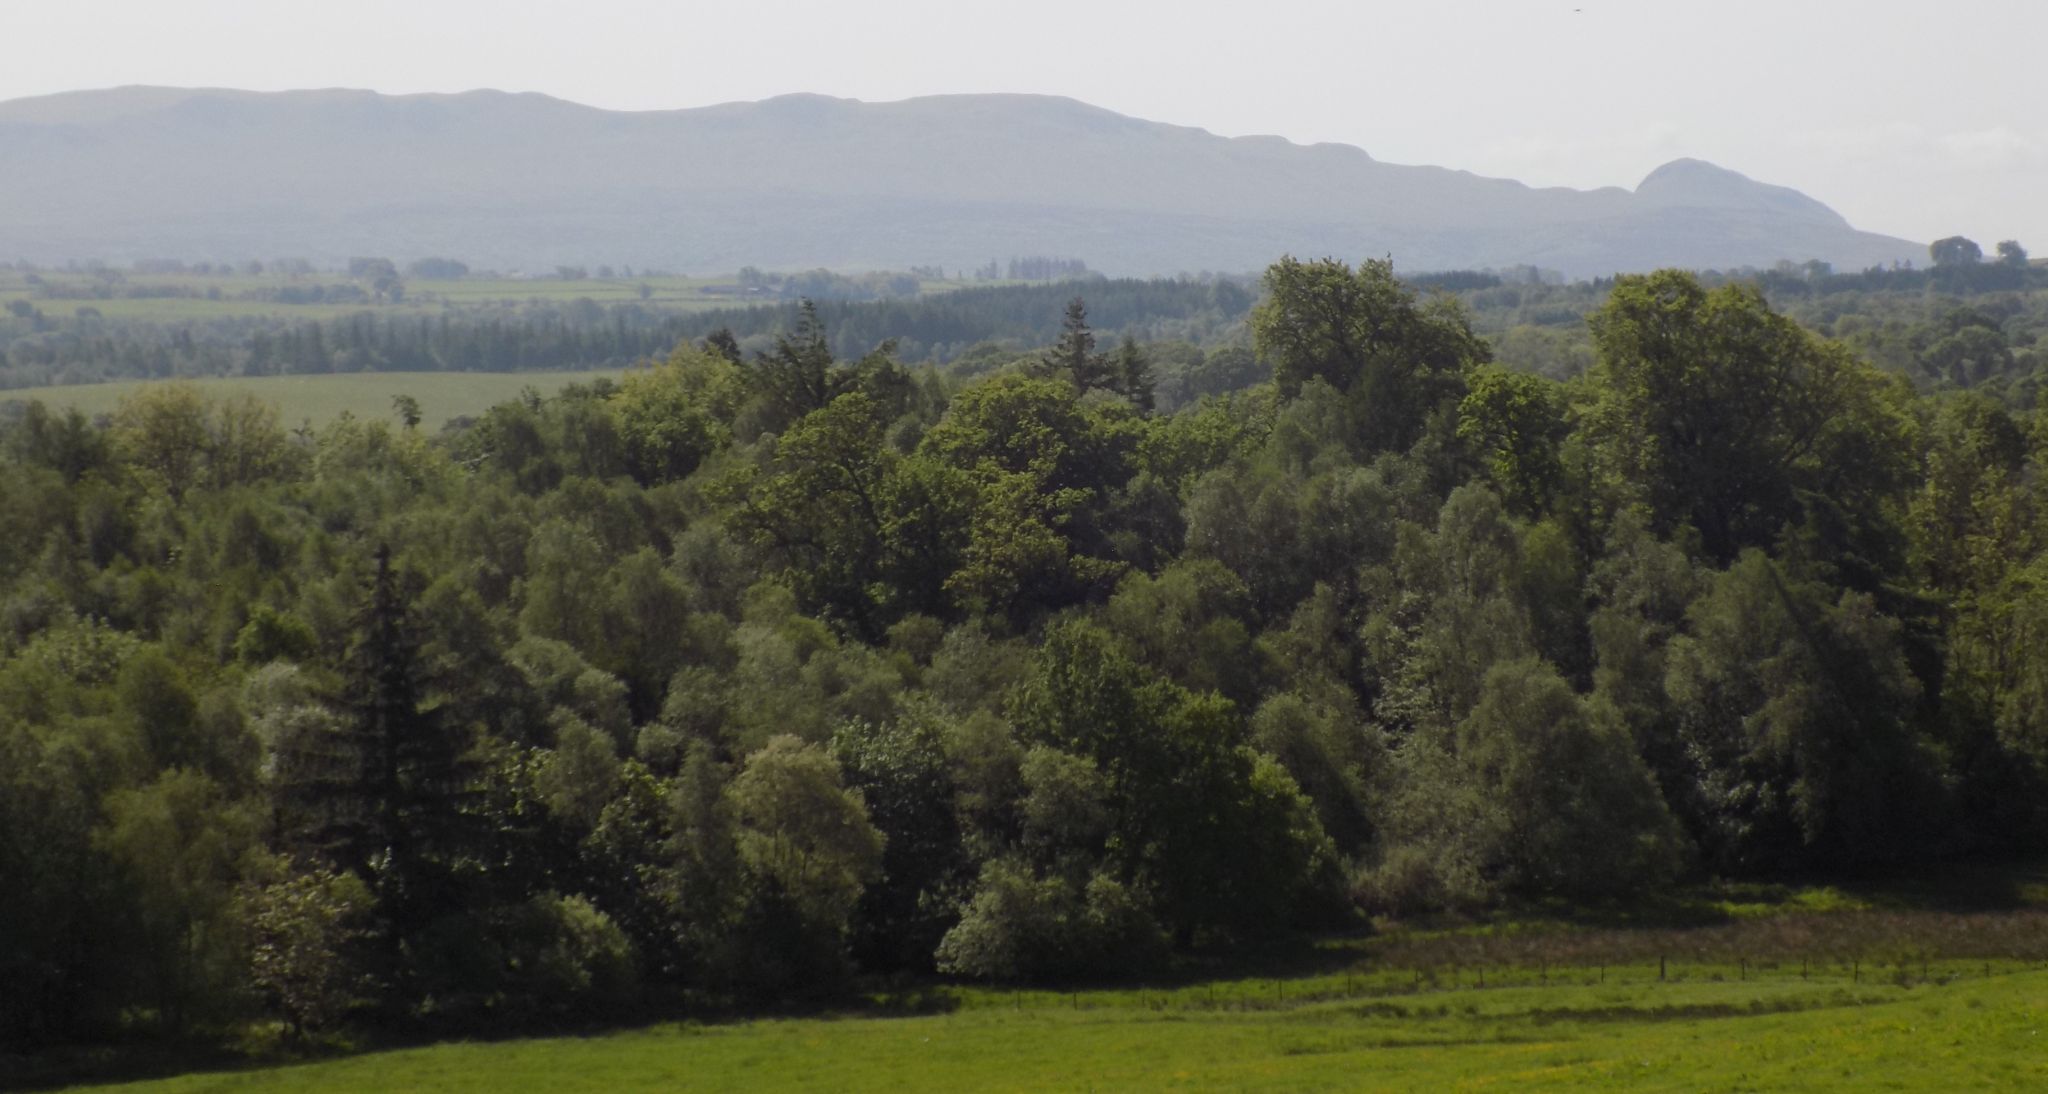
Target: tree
x=1073, y=356
x=823, y=508
x=1516, y=422
x=1955, y=251
x=162, y=432
x=673, y=417
x=1130, y=374
x=810, y=852
x=1363, y=334
x=385, y=795
x=303, y=929
x=1582, y=814
x=438, y=269
x=1793, y=707
x=2010, y=253
x=1220, y=841
x=1723, y=415
x=180, y=843
x=902, y=776
x=799, y=375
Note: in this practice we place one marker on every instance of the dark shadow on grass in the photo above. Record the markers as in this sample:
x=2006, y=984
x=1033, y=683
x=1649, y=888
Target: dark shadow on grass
x=124, y=1063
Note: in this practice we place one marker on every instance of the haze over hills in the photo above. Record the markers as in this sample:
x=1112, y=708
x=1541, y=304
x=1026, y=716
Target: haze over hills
x=524, y=181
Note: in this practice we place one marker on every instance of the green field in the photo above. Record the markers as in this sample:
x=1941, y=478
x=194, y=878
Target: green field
x=1703, y=1029
x=442, y=395
x=1937, y=982
x=234, y=294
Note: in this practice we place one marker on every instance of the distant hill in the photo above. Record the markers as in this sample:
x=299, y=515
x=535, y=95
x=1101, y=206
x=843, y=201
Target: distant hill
x=801, y=181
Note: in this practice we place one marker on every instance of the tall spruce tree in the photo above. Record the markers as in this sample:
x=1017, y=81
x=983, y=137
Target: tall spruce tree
x=384, y=793
x=1073, y=356
x=1130, y=374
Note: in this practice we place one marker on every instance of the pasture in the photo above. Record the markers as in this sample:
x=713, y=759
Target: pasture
x=1706, y=1030
x=1937, y=984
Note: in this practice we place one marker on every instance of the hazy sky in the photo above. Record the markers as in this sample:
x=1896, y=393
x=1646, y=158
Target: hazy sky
x=1917, y=119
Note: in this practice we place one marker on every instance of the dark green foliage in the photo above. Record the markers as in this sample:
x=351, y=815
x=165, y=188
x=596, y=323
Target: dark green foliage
x=386, y=793
x=756, y=674
x=1732, y=420
x=1795, y=718
x=1363, y=334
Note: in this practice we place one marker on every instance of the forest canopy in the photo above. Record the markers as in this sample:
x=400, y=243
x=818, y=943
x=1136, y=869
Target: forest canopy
x=763, y=671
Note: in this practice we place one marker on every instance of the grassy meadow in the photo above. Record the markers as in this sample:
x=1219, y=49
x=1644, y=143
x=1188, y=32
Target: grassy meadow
x=1698, y=1030
x=1939, y=983
x=321, y=398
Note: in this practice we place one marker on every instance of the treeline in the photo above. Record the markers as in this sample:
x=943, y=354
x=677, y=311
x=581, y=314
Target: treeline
x=942, y=326
x=86, y=347
x=37, y=348
x=754, y=674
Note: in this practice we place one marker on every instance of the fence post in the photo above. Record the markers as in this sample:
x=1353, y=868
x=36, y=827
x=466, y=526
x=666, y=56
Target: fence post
x=1660, y=966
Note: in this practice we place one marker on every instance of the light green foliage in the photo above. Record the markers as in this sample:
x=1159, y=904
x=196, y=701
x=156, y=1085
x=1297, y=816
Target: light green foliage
x=674, y=416
x=1188, y=623
x=1021, y=926
x=1515, y=421
x=800, y=828
x=582, y=775
x=905, y=781
x=586, y=962
x=303, y=929
x=1363, y=334
x=1459, y=612
x=1066, y=805
x=179, y=438
x=704, y=883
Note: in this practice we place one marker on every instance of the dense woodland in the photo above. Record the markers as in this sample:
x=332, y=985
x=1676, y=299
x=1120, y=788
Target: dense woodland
x=759, y=673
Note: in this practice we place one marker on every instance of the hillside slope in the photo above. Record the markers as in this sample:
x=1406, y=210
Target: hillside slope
x=524, y=181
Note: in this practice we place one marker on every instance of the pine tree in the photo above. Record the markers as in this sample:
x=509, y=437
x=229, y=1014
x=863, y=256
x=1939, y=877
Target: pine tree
x=1074, y=356
x=1131, y=374
x=385, y=793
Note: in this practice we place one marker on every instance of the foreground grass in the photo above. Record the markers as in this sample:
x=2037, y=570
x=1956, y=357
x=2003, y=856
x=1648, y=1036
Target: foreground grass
x=322, y=398
x=1705, y=1031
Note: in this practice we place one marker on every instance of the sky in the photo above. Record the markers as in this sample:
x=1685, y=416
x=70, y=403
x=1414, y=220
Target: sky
x=1919, y=120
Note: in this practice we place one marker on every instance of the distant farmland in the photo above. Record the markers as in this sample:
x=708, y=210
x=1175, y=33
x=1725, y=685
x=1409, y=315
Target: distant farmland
x=320, y=399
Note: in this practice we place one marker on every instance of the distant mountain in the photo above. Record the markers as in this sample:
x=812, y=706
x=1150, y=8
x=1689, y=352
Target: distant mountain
x=801, y=181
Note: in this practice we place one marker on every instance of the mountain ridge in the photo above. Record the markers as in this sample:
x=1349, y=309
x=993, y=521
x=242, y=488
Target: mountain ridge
x=523, y=179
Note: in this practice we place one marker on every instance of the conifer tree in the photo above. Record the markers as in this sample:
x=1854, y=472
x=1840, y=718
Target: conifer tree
x=384, y=793
x=1074, y=356
x=1130, y=374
